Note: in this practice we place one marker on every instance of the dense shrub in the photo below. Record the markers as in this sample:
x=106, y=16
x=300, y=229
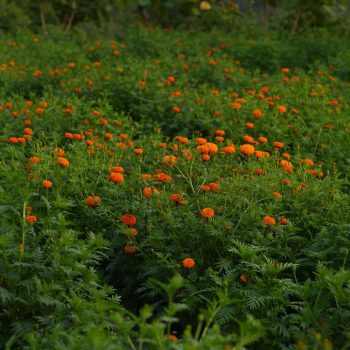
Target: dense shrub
x=206, y=179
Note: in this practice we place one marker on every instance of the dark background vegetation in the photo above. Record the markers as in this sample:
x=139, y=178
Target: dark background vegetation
x=113, y=16
x=285, y=33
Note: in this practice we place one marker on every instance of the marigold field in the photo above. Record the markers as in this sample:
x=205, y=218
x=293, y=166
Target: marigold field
x=161, y=192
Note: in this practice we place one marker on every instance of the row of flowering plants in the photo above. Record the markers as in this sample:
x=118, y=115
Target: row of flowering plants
x=185, y=86
x=235, y=230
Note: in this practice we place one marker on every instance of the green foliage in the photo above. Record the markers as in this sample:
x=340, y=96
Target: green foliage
x=341, y=68
x=13, y=16
x=268, y=269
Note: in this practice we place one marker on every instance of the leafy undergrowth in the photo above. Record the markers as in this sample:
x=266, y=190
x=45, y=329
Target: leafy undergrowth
x=118, y=233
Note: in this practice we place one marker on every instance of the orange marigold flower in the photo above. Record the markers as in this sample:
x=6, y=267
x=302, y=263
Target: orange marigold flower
x=278, y=145
x=39, y=111
x=172, y=337
x=68, y=135
x=249, y=125
x=47, y=184
x=308, y=162
x=58, y=152
x=188, y=263
x=287, y=182
x=146, y=176
x=128, y=220
x=132, y=232
x=257, y=113
x=220, y=132
x=205, y=157
x=236, y=105
x=287, y=166
x=260, y=154
x=178, y=199
x=208, y=148
x=286, y=155
x=313, y=172
x=328, y=126
x=129, y=249
x=169, y=161
x=302, y=185
x=176, y=109
x=207, y=213
x=201, y=141
x=148, y=191
x=77, y=136
x=284, y=221
x=63, y=162
x=123, y=136
x=205, y=187
x=262, y=139
x=176, y=94
x=269, y=220
x=35, y=160
x=182, y=140
x=13, y=140
x=31, y=219
x=138, y=151
x=162, y=177
x=93, y=201
x=116, y=177
x=277, y=194
x=214, y=186
x=230, y=149
x=117, y=169
x=282, y=109
x=187, y=153
x=247, y=149
x=243, y=278
x=248, y=139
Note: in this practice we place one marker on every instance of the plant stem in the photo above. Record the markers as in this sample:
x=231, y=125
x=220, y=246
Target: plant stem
x=42, y=17
x=70, y=21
